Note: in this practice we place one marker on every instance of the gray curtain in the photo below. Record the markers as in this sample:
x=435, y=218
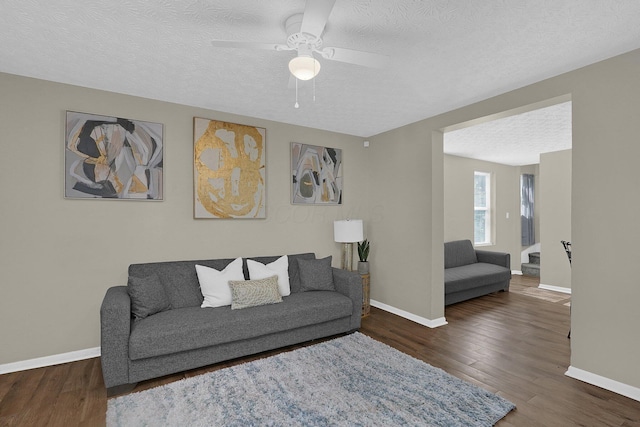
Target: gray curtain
x=526, y=209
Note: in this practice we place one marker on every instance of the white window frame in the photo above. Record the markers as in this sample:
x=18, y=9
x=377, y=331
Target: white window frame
x=488, y=230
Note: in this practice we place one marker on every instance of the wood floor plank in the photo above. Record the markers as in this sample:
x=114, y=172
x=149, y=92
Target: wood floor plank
x=510, y=344
x=68, y=409
x=7, y=382
x=43, y=402
x=9, y=421
x=95, y=404
x=521, y=350
x=19, y=394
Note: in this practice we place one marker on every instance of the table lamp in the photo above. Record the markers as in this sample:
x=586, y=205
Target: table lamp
x=347, y=232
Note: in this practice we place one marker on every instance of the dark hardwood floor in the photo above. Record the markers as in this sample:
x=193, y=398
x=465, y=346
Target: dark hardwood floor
x=508, y=343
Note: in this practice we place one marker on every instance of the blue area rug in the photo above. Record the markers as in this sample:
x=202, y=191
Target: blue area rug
x=349, y=381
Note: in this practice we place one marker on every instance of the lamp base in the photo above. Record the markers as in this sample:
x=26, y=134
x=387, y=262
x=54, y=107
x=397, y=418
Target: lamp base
x=347, y=256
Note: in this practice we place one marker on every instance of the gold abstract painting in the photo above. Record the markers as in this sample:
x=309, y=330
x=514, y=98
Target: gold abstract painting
x=229, y=170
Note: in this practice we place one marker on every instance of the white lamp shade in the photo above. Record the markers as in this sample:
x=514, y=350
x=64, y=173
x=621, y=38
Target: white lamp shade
x=348, y=231
x=304, y=67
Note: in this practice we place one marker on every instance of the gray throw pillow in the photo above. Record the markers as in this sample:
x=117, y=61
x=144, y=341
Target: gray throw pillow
x=316, y=274
x=147, y=296
x=251, y=293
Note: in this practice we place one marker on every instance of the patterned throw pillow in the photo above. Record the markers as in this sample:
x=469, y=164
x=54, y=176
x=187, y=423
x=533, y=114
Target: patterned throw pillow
x=251, y=293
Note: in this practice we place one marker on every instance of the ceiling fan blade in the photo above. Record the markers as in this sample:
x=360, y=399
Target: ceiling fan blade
x=316, y=14
x=357, y=57
x=250, y=45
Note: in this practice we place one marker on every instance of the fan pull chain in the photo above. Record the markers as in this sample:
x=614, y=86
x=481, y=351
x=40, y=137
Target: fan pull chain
x=296, y=105
x=314, y=82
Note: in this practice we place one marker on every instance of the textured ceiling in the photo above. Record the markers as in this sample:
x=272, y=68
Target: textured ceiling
x=446, y=53
x=515, y=140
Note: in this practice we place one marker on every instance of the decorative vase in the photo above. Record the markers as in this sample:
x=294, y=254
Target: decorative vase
x=363, y=267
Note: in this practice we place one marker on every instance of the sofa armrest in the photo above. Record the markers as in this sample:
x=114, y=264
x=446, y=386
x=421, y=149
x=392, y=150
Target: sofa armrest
x=349, y=283
x=497, y=258
x=115, y=328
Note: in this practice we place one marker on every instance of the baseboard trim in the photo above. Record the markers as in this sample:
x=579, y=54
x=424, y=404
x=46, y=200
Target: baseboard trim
x=55, y=359
x=604, y=382
x=421, y=320
x=555, y=288
x=516, y=272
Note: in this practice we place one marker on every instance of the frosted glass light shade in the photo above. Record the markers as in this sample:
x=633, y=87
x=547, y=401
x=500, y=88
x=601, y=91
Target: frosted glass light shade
x=304, y=67
x=348, y=231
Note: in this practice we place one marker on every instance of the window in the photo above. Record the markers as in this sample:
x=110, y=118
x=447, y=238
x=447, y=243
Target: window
x=482, y=208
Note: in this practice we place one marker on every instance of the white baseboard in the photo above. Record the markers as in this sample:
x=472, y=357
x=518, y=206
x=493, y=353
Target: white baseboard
x=604, y=382
x=555, y=288
x=516, y=272
x=421, y=320
x=55, y=359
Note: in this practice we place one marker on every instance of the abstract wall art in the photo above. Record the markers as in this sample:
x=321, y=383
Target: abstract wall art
x=316, y=174
x=229, y=170
x=112, y=158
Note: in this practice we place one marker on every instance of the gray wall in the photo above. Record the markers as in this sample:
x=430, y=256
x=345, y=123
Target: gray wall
x=406, y=200
x=606, y=99
x=555, y=219
x=52, y=284
x=458, y=203
x=604, y=215
x=58, y=257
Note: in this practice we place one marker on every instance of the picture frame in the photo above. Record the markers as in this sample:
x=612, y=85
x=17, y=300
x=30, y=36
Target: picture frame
x=229, y=170
x=111, y=158
x=316, y=175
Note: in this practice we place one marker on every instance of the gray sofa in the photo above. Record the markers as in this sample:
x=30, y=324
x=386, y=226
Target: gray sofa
x=470, y=273
x=186, y=336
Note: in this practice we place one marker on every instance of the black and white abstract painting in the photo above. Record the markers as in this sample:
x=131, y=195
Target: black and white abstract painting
x=112, y=158
x=316, y=174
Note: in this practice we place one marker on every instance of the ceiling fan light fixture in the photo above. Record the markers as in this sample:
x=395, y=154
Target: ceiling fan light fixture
x=304, y=67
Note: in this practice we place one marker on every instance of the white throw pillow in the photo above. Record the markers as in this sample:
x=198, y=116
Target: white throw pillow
x=214, y=284
x=279, y=267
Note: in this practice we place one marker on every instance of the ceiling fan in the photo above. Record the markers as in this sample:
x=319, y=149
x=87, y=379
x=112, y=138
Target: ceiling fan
x=304, y=35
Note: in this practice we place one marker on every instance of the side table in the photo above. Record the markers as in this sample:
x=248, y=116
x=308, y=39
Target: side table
x=366, y=300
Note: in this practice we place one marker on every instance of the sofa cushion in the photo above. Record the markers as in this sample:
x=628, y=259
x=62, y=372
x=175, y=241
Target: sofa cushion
x=179, y=278
x=294, y=273
x=316, y=274
x=188, y=328
x=252, y=293
x=465, y=277
x=459, y=252
x=147, y=296
x=279, y=267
